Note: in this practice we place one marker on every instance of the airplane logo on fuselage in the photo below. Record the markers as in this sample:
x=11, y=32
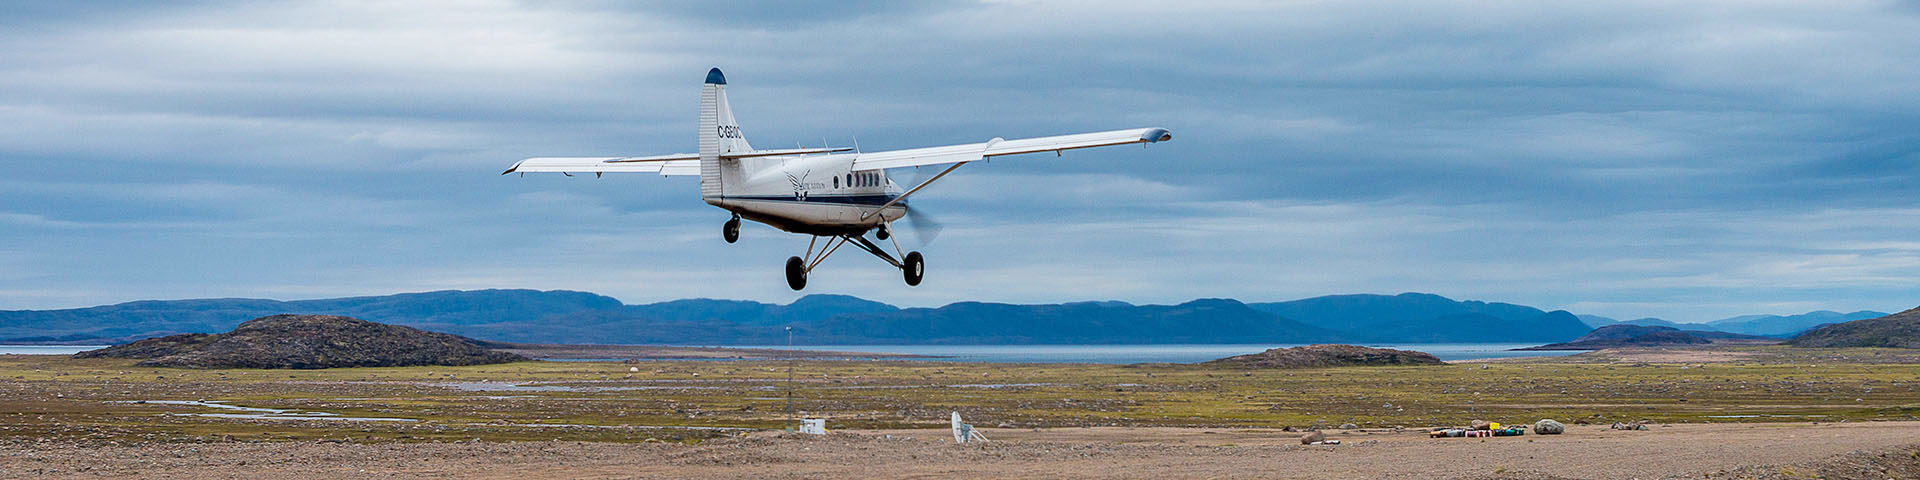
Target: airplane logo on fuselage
x=799, y=185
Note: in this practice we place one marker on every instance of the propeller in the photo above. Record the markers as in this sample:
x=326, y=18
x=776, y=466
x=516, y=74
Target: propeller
x=925, y=227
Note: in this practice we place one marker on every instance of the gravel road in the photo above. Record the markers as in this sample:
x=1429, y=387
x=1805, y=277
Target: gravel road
x=1783, y=450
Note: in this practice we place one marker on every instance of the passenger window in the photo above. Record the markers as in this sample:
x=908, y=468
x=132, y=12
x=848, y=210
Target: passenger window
x=836, y=182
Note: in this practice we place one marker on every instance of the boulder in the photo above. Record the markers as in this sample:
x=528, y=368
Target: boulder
x=1547, y=426
x=1314, y=436
x=1482, y=425
x=1349, y=426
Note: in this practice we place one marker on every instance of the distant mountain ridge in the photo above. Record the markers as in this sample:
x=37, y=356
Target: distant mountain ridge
x=1778, y=326
x=580, y=317
x=1788, y=325
x=1424, y=317
x=1900, y=330
x=1630, y=335
x=1597, y=321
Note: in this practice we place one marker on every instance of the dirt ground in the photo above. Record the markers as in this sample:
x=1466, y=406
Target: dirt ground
x=1771, y=450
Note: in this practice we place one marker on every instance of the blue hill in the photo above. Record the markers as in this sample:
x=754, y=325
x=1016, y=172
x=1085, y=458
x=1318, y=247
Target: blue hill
x=578, y=317
x=1788, y=325
x=1423, y=317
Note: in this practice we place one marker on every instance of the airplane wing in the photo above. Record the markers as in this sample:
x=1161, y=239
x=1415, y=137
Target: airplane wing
x=999, y=147
x=669, y=165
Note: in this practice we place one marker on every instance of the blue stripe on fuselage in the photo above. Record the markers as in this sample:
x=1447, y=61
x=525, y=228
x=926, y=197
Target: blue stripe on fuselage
x=873, y=200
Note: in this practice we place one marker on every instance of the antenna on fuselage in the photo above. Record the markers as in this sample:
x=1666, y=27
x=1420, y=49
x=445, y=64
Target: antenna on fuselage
x=856, y=144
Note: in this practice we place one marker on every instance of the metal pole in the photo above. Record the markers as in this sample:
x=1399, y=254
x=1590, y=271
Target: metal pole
x=791, y=425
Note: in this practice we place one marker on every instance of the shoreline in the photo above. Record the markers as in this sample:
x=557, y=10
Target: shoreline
x=616, y=353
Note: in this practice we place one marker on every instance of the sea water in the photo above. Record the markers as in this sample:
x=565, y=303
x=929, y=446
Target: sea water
x=46, y=349
x=1181, y=353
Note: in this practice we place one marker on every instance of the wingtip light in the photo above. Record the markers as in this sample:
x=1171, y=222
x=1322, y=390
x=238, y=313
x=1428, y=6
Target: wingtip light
x=715, y=77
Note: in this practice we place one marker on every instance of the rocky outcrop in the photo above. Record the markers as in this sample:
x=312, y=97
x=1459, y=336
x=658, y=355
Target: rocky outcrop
x=1900, y=330
x=307, y=341
x=1547, y=426
x=1328, y=356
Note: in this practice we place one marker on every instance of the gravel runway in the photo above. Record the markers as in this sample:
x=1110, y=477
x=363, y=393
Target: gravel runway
x=1762, y=450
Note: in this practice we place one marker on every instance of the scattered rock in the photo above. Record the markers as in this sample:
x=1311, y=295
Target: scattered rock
x=1547, y=426
x=1349, y=426
x=1629, y=426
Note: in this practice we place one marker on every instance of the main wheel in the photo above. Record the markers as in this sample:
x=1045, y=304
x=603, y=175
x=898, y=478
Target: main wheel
x=731, y=231
x=796, y=273
x=881, y=233
x=914, y=269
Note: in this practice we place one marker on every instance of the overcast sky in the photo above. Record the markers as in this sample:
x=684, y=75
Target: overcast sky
x=1690, y=161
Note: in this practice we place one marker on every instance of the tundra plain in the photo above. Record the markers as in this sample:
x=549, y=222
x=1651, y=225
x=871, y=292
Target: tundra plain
x=1708, y=411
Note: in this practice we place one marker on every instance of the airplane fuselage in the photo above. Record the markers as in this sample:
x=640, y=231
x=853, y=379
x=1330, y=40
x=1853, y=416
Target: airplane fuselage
x=814, y=195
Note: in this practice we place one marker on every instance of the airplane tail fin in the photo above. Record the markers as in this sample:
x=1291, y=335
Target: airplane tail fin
x=719, y=133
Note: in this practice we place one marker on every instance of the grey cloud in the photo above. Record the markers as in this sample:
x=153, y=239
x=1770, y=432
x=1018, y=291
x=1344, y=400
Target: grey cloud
x=1628, y=158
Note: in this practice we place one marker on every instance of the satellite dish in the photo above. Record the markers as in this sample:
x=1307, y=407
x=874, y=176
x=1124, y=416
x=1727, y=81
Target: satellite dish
x=963, y=433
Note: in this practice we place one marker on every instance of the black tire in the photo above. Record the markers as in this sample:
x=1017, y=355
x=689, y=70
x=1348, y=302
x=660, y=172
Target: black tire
x=731, y=231
x=914, y=268
x=796, y=273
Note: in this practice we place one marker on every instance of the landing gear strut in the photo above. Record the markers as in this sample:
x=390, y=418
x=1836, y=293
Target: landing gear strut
x=731, y=231
x=912, y=265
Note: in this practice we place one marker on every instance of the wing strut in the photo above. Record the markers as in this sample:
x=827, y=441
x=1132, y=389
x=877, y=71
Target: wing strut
x=910, y=191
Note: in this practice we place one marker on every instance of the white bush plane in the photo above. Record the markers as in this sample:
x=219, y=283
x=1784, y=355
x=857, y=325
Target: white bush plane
x=823, y=192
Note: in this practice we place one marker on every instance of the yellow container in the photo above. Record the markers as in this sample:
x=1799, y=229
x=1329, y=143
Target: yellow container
x=1493, y=426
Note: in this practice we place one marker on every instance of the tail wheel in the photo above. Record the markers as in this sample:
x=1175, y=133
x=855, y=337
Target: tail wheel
x=731, y=231
x=882, y=233
x=914, y=268
x=796, y=273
